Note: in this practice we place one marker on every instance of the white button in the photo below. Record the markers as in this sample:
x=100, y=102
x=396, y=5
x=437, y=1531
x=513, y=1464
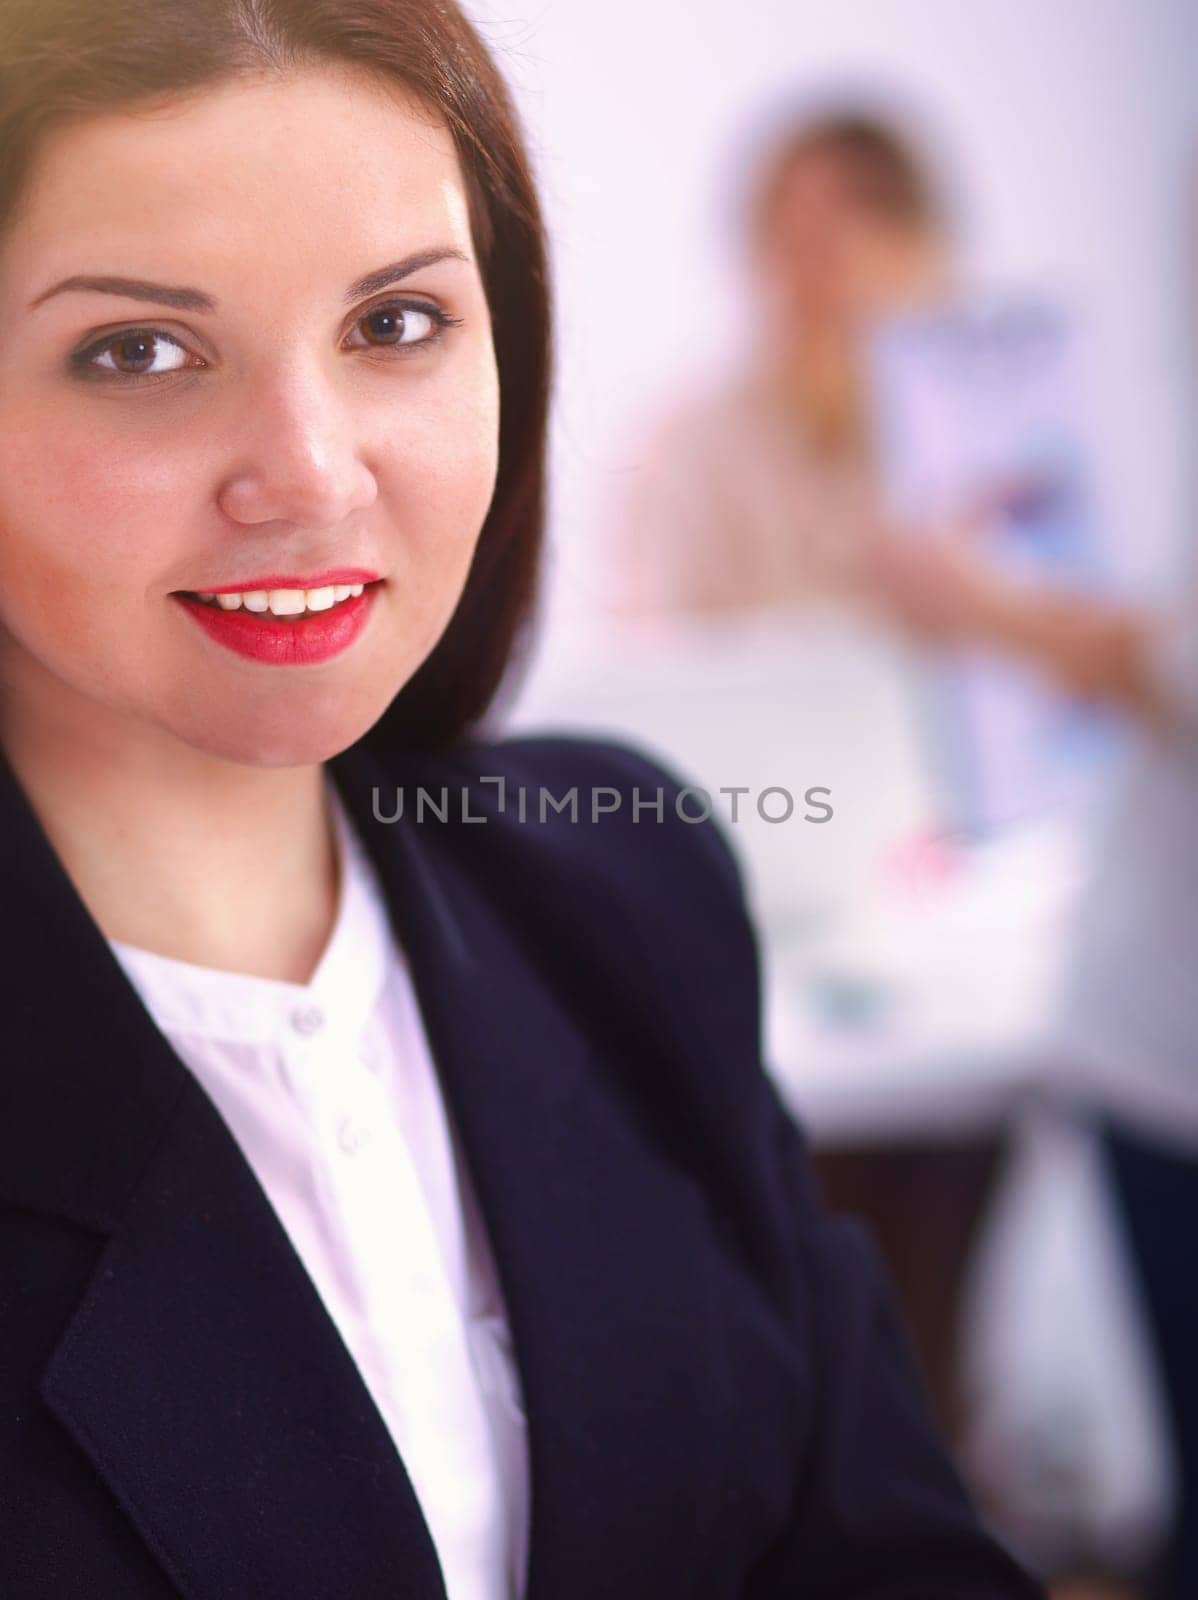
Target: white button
x=374, y=1064
x=352, y=1135
x=307, y=1019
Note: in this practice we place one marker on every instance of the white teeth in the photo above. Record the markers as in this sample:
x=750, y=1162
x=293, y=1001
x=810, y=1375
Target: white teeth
x=285, y=602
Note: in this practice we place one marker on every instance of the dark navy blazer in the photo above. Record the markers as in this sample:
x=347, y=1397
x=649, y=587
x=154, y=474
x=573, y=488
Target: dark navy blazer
x=719, y=1403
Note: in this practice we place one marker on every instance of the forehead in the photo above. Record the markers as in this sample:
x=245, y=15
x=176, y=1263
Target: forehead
x=319, y=168
x=817, y=173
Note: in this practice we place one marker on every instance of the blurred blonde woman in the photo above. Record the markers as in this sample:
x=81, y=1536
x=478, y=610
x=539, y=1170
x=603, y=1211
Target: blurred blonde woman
x=758, y=493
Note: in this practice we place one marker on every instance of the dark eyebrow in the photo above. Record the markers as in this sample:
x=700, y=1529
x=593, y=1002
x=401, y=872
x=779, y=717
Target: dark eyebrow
x=385, y=276
x=133, y=289
x=181, y=299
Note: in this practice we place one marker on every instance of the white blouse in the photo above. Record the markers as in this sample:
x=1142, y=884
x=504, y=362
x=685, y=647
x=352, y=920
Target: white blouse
x=330, y=1090
x=727, y=507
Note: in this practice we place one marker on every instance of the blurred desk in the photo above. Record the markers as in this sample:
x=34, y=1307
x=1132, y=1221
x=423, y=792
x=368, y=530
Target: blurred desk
x=928, y=1007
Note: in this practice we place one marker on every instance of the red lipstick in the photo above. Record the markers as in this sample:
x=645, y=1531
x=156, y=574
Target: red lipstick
x=279, y=641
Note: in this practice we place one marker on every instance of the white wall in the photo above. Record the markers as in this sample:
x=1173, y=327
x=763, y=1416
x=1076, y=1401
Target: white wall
x=1069, y=124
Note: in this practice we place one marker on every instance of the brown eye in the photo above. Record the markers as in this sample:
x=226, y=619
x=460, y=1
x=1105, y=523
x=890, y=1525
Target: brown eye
x=139, y=354
x=394, y=325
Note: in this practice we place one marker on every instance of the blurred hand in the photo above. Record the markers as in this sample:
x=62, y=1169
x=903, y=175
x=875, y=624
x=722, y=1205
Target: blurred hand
x=941, y=587
x=937, y=585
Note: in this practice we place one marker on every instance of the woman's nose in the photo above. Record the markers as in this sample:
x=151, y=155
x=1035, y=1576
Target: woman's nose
x=298, y=459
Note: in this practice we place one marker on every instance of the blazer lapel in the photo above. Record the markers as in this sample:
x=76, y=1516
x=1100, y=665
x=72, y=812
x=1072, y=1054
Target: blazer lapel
x=600, y=1250
x=212, y=1391
x=200, y=1372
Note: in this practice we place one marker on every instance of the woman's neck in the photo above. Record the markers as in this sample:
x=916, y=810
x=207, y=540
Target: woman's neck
x=819, y=382
x=179, y=852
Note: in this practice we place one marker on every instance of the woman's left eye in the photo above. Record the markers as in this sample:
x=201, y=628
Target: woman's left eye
x=402, y=324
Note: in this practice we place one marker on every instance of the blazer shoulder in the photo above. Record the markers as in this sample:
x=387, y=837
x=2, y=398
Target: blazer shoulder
x=628, y=890
x=634, y=916
x=612, y=872
x=603, y=806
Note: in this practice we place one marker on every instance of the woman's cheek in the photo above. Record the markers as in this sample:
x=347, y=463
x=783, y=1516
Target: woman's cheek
x=81, y=510
x=446, y=475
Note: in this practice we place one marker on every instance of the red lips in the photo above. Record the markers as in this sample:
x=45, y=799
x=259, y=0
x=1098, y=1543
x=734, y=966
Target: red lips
x=260, y=636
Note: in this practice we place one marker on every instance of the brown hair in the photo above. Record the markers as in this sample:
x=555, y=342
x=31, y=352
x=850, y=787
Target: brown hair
x=65, y=60
x=886, y=175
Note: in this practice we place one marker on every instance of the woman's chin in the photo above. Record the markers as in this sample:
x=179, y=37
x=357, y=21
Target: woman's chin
x=268, y=740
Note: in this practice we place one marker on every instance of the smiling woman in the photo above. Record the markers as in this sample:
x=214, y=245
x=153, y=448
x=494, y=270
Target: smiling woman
x=221, y=374
x=384, y=1209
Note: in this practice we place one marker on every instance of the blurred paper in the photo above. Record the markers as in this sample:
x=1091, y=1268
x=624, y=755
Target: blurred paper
x=980, y=422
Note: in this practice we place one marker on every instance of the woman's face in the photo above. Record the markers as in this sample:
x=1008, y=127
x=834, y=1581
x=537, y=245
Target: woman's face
x=246, y=405
x=829, y=261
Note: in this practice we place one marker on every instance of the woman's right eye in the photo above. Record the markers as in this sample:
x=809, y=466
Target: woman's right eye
x=135, y=353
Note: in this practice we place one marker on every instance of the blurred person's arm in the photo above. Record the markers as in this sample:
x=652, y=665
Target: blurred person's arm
x=1091, y=646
